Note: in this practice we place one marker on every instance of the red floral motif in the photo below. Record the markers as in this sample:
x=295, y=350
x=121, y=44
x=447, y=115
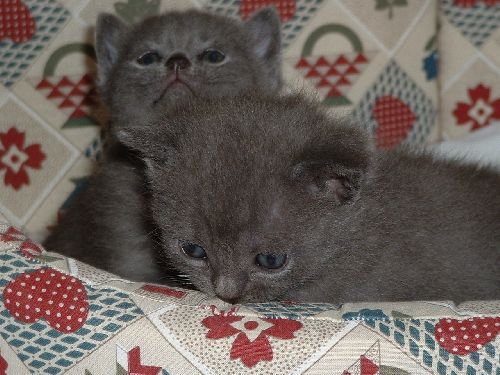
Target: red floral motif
x=251, y=344
x=471, y=3
x=15, y=158
x=480, y=111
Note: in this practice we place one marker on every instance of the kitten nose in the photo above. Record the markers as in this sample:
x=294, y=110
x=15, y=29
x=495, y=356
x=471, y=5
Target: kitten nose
x=178, y=61
x=227, y=289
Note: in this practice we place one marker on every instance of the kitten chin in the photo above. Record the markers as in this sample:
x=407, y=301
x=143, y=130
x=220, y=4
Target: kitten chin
x=262, y=199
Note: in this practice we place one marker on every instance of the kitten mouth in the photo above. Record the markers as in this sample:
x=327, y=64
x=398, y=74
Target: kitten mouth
x=175, y=82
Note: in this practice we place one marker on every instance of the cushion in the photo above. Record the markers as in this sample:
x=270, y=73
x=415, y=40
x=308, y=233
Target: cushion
x=58, y=315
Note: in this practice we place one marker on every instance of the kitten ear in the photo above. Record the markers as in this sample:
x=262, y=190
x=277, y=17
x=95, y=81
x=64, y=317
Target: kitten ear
x=265, y=27
x=110, y=31
x=327, y=179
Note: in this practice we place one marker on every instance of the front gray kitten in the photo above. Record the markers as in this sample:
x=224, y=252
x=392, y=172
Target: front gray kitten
x=268, y=199
x=145, y=71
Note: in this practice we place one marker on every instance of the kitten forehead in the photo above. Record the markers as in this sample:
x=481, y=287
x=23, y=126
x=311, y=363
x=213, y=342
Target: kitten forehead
x=234, y=160
x=182, y=29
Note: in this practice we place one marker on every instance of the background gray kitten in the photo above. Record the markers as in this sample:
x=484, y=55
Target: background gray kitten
x=145, y=71
x=268, y=199
x=168, y=58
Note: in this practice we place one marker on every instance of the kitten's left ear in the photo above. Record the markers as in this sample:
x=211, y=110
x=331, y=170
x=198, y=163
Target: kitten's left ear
x=265, y=27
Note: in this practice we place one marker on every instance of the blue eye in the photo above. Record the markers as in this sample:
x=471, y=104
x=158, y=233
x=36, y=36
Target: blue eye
x=149, y=58
x=271, y=261
x=193, y=250
x=213, y=56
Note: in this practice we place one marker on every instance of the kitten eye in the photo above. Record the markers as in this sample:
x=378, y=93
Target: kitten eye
x=149, y=58
x=193, y=250
x=213, y=56
x=271, y=261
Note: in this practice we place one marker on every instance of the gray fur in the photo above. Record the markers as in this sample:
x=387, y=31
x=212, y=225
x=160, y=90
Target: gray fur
x=133, y=92
x=109, y=224
x=247, y=176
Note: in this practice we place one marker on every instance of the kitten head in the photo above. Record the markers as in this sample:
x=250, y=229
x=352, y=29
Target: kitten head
x=248, y=193
x=165, y=59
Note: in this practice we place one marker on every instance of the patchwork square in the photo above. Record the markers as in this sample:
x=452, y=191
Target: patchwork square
x=41, y=346
x=476, y=20
x=396, y=110
x=22, y=41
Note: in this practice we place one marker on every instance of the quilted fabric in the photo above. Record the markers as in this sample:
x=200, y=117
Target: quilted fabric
x=58, y=316
x=374, y=58
x=469, y=45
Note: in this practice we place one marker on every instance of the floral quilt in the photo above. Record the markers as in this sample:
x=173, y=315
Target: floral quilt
x=376, y=59
x=60, y=316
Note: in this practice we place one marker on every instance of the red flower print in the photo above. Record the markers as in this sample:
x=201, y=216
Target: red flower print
x=480, y=111
x=251, y=344
x=15, y=157
x=471, y=3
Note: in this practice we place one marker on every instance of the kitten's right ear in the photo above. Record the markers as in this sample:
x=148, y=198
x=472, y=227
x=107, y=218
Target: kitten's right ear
x=110, y=31
x=335, y=164
x=265, y=28
x=327, y=179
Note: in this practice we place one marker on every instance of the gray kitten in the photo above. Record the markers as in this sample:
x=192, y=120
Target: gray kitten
x=269, y=199
x=166, y=59
x=144, y=71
